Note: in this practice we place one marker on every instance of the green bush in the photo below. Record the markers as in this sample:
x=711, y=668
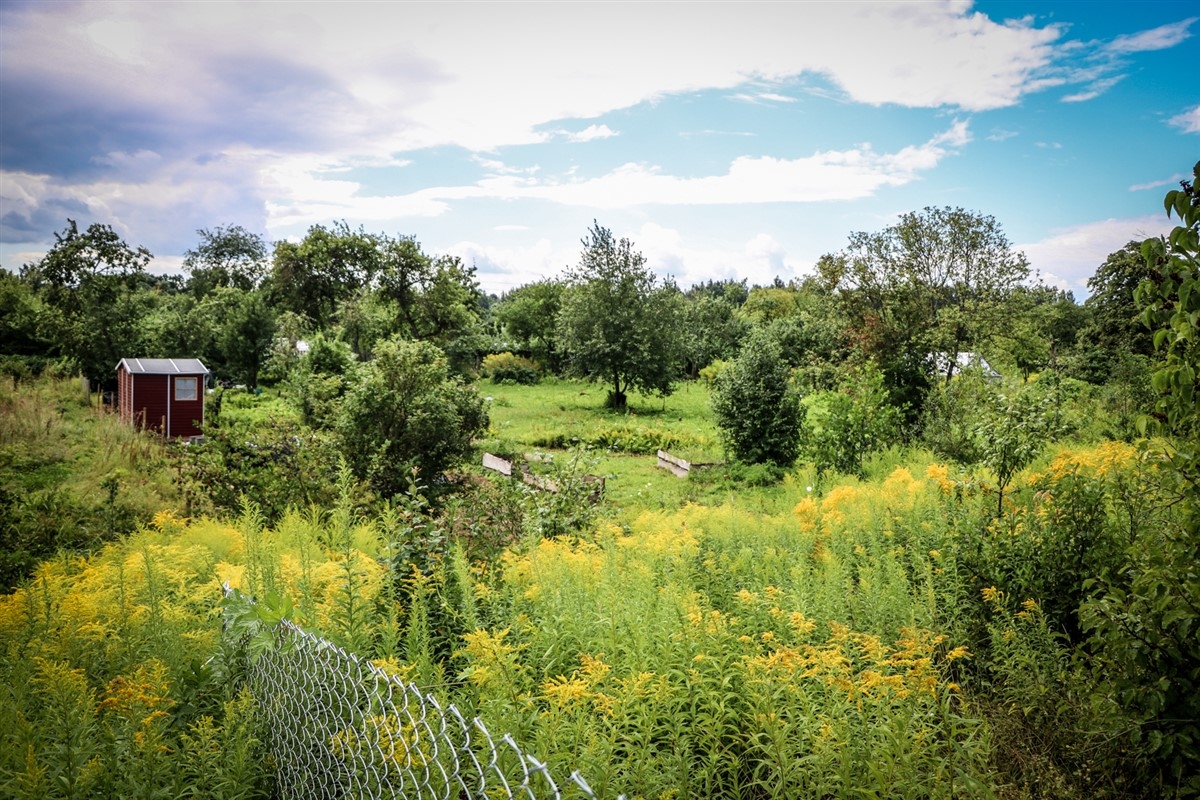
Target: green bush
x=405, y=412
x=710, y=373
x=846, y=424
x=276, y=463
x=1143, y=618
x=320, y=379
x=759, y=414
x=508, y=368
x=951, y=412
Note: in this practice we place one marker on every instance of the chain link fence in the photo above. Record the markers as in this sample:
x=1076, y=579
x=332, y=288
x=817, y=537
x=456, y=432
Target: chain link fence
x=340, y=727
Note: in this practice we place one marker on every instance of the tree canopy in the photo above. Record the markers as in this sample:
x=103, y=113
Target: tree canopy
x=226, y=256
x=618, y=323
x=89, y=281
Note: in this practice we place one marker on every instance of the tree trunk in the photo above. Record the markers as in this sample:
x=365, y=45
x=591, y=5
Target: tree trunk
x=616, y=398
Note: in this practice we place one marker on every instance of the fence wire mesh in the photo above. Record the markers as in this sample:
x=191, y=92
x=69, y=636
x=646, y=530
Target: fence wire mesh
x=338, y=726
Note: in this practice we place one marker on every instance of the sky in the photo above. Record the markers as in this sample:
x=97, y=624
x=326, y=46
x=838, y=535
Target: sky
x=725, y=140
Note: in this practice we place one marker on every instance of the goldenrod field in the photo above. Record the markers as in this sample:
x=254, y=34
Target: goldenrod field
x=881, y=638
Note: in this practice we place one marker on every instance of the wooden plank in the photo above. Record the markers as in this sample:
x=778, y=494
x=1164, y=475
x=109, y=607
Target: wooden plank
x=678, y=466
x=497, y=463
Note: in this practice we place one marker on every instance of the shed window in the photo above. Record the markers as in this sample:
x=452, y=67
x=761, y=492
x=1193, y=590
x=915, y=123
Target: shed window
x=185, y=388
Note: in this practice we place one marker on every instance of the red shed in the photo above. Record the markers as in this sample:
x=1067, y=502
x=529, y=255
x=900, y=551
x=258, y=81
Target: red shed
x=163, y=394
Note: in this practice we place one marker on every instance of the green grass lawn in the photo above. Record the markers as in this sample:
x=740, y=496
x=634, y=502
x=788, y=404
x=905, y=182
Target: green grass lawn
x=553, y=416
x=526, y=417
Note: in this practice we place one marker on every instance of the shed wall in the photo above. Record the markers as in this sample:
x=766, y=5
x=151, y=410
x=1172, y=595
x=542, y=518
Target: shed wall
x=150, y=403
x=186, y=414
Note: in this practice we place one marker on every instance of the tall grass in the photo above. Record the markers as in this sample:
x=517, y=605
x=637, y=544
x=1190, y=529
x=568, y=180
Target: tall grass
x=72, y=475
x=890, y=636
x=720, y=652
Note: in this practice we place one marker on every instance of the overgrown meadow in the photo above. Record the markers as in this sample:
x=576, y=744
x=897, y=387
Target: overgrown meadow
x=884, y=576
x=892, y=636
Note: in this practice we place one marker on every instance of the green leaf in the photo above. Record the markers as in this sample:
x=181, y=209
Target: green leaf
x=1182, y=203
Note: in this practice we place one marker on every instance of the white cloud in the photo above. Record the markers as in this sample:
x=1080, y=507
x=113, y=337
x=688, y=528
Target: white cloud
x=21, y=192
x=1069, y=256
x=150, y=203
x=1097, y=66
x=496, y=166
x=1188, y=120
x=669, y=253
x=1172, y=181
x=829, y=175
x=501, y=269
x=390, y=78
x=762, y=98
x=759, y=259
x=1160, y=38
x=591, y=132
x=14, y=255
x=1094, y=90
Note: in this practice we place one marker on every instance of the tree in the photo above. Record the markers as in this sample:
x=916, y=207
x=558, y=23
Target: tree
x=228, y=256
x=19, y=312
x=405, y=412
x=844, y=425
x=528, y=315
x=1114, y=342
x=1170, y=299
x=449, y=313
x=949, y=421
x=617, y=324
x=1014, y=429
x=1116, y=317
x=729, y=290
x=404, y=270
x=712, y=330
x=182, y=325
x=1144, y=616
x=936, y=281
x=758, y=412
x=246, y=337
x=90, y=283
x=327, y=266
x=318, y=383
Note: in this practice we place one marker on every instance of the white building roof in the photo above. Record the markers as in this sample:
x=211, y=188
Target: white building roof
x=163, y=366
x=964, y=361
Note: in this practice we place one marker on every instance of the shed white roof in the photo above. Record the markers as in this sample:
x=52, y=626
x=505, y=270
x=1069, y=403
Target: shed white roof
x=964, y=360
x=163, y=366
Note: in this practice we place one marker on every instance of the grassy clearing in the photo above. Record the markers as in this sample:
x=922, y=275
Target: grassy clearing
x=72, y=475
x=561, y=413
x=245, y=408
x=555, y=415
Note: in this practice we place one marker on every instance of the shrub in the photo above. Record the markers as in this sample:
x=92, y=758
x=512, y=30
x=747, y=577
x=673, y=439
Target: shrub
x=276, y=463
x=320, y=380
x=405, y=412
x=846, y=424
x=756, y=409
x=710, y=373
x=951, y=411
x=508, y=368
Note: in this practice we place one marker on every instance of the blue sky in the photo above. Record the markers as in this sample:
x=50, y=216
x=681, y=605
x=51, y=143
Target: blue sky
x=725, y=140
